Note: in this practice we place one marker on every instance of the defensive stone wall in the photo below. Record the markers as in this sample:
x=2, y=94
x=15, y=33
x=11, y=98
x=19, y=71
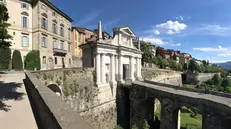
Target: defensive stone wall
x=96, y=104
x=194, y=78
x=162, y=76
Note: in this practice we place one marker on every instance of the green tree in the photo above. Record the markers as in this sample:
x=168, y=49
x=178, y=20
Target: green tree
x=193, y=66
x=118, y=127
x=147, y=55
x=225, y=83
x=146, y=125
x=204, y=62
x=185, y=67
x=134, y=127
x=4, y=36
x=179, y=67
x=32, y=60
x=172, y=64
x=216, y=79
x=5, y=57
x=17, y=60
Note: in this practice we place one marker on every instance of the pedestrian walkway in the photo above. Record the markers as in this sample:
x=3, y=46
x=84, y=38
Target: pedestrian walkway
x=15, y=109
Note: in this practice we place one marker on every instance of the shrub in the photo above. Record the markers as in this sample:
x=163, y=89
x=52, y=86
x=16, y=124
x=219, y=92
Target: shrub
x=32, y=60
x=134, y=127
x=5, y=57
x=17, y=60
x=146, y=125
x=118, y=127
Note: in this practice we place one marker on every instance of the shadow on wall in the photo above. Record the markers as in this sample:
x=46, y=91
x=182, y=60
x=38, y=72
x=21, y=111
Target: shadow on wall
x=55, y=88
x=8, y=91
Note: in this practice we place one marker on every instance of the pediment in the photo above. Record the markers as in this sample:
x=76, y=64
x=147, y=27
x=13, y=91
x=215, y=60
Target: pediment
x=128, y=31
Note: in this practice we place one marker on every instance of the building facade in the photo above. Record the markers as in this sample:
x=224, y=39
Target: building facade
x=51, y=35
x=39, y=25
x=116, y=59
x=20, y=13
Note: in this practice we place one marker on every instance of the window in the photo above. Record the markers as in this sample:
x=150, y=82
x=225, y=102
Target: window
x=69, y=47
x=13, y=33
x=53, y=14
x=55, y=45
x=61, y=31
x=24, y=5
x=44, y=59
x=54, y=28
x=44, y=23
x=43, y=6
x=44, y=42
x=61, y=45
x=2, y=1
x=69, y=60
x=24, y=22
x=55, y=60
x=25, y=41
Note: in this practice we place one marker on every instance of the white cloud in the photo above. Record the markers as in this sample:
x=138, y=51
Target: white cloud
x=157, y=32
x=172, y=26
x=226, y=54
x=88, y=18
x=175, y=44
x=153, y=40
x=211, y=49
x=180, y=18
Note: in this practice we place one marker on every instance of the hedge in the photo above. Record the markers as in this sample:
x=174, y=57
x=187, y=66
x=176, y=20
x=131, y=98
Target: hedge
x=17, y=60
x=5, y=57
x=32, y=60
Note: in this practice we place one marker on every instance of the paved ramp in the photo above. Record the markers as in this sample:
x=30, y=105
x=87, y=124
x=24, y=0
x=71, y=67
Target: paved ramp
x=15, y=109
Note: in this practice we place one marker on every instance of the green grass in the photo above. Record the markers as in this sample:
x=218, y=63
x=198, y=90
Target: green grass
x=158, y=111
x=193, y=122
x=189, y=86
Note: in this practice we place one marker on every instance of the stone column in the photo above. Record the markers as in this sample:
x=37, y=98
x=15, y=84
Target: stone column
x=116, y=67
x=112, y=71
x=98, y=72
x=211, y=120
x=137, y=68
x=103, y=80
x=131, y=69
x=120, y=73
x=169, y=115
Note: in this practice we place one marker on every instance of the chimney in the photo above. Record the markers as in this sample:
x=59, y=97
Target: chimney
x=139, y=43
x=100, y=37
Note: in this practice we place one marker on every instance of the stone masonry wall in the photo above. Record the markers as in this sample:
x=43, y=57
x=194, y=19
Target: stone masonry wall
x=95, y=104
x=162, y=76
x=193, y=78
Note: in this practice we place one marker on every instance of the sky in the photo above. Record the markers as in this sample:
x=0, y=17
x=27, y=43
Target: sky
x=199, y=27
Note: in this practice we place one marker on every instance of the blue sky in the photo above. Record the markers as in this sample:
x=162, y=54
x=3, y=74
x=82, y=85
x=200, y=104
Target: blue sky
x=199, y=27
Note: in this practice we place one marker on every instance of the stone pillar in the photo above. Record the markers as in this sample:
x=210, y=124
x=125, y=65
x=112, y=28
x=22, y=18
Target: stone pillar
x=131, y=69
x=103, y=80
x=211, y=120
x=112, y=71
x=169, y=115
x=116, y=67
x=120, y=73
x=98, y=71
x=137, y=68
x=130, y=43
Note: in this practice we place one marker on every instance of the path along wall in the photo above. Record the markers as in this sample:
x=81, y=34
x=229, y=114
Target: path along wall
x=162, y=76
x=96, y=104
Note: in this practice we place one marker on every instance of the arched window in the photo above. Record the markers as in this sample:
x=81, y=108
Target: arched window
x=25, y=19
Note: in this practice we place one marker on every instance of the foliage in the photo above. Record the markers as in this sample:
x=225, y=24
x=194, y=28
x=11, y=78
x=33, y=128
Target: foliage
x=5, y=57
x=146, y=125
x=193, y=66
x=4, y=36
x=134, y=127
x=162, y=63
x=216, y=79
x=172, y=64
x=17, y=60
x=185, y=67
x=118, y=127
x=160, y=52
x=179, y=67
x=225, y=83
x=204, y=63
x=147, y=55
x=32, y=60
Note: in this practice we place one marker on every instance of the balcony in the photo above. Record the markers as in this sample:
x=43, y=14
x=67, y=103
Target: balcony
x=59, y=52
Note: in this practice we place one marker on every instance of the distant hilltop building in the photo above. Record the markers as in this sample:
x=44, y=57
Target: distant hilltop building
x=115, y=59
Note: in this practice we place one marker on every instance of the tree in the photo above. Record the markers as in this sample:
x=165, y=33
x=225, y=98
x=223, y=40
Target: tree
x=179, y=67
x=147, y=55
x=32, y=60
x=134, y=127
x=216, y=79
x=160, y=52
x=118, y=127
x=5, y=57
x=172, y=64
x=193, y=66
x=225, y=83
x=17, y=60
x=4, y=36
x=204, y=62
x=185, y=67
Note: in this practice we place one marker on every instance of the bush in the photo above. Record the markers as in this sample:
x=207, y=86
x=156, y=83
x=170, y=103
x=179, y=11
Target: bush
x=5, y=57
x=32, y=60
x=118, y=127
x=146, y=125
x=17, y=60
x=134, y=127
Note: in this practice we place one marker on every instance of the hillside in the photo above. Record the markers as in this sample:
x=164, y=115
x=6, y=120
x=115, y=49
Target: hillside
x=226, y=65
